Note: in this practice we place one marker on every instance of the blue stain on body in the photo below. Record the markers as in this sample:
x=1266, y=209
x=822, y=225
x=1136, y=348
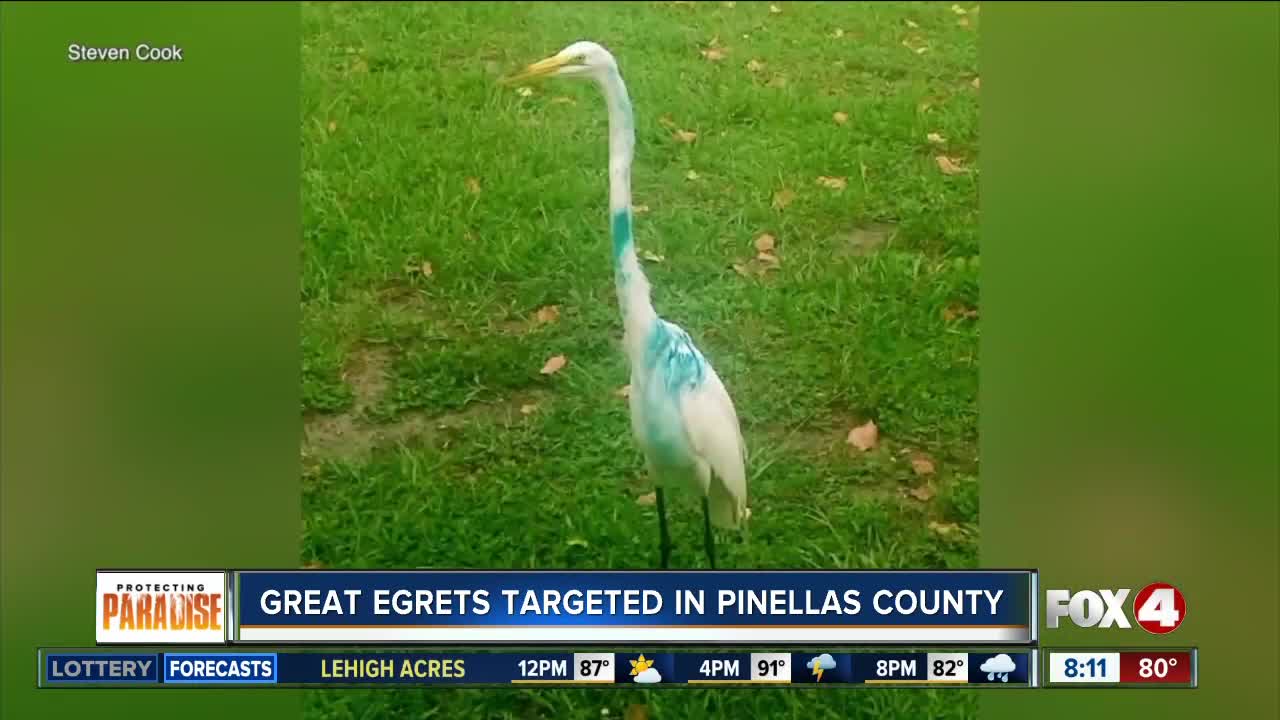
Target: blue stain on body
x=671, y=356
x=671, y=366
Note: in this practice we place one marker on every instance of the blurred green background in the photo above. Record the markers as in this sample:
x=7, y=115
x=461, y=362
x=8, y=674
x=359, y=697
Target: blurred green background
x=150, y=320
x=149, y=225
x=1128, y=384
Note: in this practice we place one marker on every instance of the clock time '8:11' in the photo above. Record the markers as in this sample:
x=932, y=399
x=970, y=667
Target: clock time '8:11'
x=1093, y=667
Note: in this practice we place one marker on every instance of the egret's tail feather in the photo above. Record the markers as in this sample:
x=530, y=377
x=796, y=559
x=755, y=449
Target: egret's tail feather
x=712, y=424
x=728, y=511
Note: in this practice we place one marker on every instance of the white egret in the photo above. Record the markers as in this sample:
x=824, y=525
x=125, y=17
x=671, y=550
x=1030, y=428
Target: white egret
x=682, y=418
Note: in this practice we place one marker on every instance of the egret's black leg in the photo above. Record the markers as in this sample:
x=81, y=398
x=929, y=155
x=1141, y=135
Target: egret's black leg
x=708, y=538
x=664, y=540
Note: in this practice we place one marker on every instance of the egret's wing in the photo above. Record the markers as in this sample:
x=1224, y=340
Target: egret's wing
x=712, y=426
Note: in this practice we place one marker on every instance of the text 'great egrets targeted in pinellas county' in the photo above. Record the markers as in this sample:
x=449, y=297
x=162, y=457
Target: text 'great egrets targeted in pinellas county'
x=630, y=602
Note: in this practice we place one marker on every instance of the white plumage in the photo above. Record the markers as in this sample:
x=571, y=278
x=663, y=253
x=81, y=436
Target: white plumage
x=682, y=417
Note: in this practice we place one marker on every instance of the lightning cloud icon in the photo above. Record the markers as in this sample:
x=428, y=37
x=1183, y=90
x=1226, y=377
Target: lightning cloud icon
x=820, y=665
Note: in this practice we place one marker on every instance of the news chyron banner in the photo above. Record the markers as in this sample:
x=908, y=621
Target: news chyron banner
x=618, y=607
x=462, y=607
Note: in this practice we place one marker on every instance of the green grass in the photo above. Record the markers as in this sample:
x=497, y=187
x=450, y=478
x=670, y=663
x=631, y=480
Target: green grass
x=401, y=107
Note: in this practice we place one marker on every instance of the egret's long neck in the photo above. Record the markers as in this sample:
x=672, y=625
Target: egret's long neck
x=632, y=286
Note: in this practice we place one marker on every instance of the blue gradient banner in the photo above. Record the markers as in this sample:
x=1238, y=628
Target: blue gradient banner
x=669, y=607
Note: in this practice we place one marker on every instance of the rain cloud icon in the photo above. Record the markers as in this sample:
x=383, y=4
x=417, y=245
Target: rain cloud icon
x=1000, y=665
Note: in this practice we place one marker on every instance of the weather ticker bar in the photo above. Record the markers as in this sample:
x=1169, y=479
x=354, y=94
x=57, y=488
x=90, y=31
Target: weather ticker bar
x=194, y=667
x=869, y=667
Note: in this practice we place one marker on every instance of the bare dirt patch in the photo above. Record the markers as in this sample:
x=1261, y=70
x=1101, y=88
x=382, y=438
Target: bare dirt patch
x=863, y=241
x=349, y=435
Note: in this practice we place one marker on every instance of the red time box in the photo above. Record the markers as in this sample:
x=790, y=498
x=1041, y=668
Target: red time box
x=1156, y=667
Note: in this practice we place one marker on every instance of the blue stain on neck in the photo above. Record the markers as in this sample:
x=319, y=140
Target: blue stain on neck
x=622, y=239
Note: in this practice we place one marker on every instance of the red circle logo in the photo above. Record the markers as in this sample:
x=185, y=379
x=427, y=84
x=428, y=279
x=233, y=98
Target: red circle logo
x=1159, y=608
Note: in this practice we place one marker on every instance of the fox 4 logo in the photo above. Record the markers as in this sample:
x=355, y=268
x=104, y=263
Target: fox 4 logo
x=1158, y=608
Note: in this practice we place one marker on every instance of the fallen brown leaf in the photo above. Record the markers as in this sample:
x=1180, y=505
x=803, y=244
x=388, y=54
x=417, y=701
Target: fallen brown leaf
x=652, y=256
x=757, y=267
x=528, y=409
x=755, y=66
x=976, y=84
x=639, y=209
x=922, y=464
x=949, y=166
x=473, y=186
x=840, y=118
x=783, y=198
x=834, y=183
x=918, y=47
x=864, y=437
x=714, y=54
x=692, y=175
x=624, y=391
x=647, y=499
x=924, y=493
x=313, y=565
x=765, y=243
x=936, y=139
x=943, y=529
x=554, y=365
x=958, y=310
x=547, y=314
x=685, y=136
x=426, y=269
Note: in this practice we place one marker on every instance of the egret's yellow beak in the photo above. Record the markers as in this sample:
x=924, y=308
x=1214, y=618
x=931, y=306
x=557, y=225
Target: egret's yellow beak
x=540, y=69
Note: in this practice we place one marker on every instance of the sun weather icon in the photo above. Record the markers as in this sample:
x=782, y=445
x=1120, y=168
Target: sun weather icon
x=644, y=671
x=998, y=667
x=821, y=664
